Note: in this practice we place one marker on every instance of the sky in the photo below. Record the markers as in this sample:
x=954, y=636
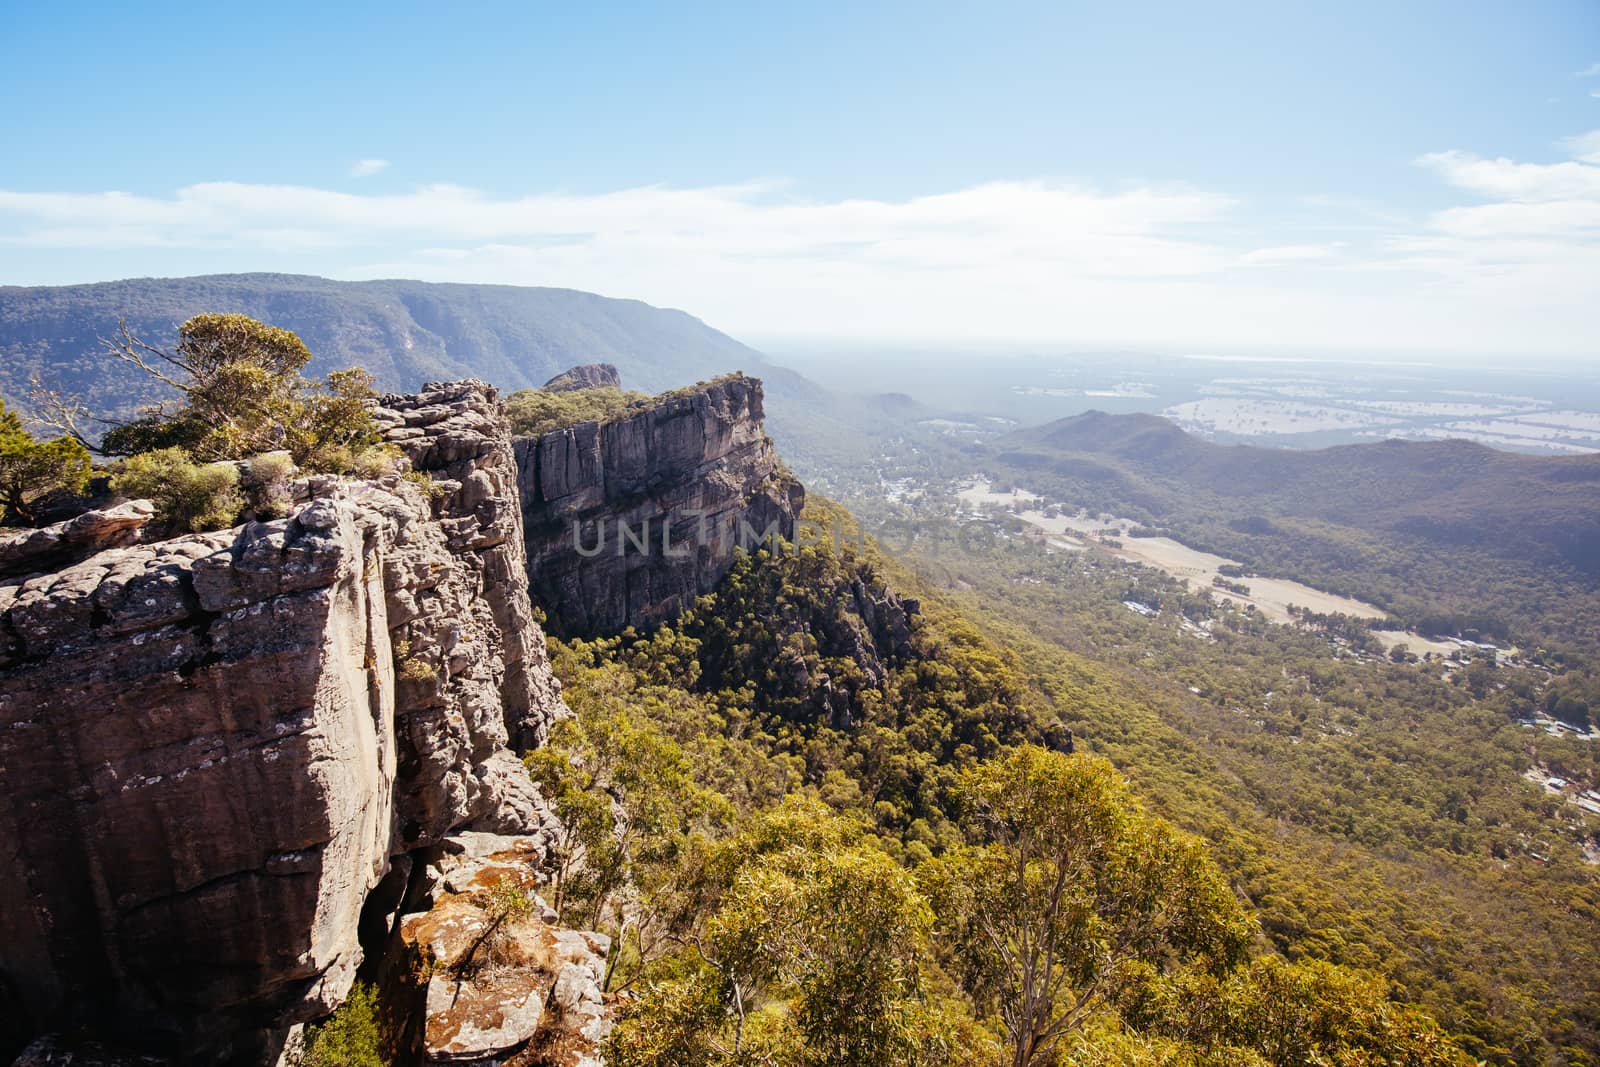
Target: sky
x=1352, y=176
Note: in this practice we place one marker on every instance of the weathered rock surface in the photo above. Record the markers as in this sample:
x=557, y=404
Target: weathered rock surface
x=55, y=1051
x=501, y=987
x=587, y=376
x=628, y=521
x=63, y=543
x=480, y=631
x=213, y=748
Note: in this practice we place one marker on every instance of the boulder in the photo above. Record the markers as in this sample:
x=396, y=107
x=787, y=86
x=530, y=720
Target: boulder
x=60, y=544
x=501, y=986
x=587, y=376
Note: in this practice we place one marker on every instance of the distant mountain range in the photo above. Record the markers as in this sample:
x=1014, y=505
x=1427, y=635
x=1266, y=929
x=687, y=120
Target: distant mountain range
x=404, y=332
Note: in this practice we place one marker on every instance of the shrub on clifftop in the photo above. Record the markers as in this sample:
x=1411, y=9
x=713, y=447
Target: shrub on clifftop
x=538, y=411
x=31, y=470
x=189, y=496
x=241, y=392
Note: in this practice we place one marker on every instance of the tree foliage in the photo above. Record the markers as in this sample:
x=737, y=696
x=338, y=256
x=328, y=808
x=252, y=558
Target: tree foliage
x=1277, y=1012
x=351, y=1037
x=1069, y=891
x=855, y=897
x=808, y=949
x=241, y=393
x=32, y=470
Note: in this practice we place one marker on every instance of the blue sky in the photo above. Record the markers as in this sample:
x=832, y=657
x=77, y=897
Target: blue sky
x=1357, y=175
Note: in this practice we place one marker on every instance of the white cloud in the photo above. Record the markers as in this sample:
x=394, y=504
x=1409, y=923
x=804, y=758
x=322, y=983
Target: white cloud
x=1553, y=205
x=1290, y=254
x=1508, y=180
x=1532, y=248
x=1592, y=70
x=364, y=168
x=1584, y=146
x=1512, y=264
x=1138, y=232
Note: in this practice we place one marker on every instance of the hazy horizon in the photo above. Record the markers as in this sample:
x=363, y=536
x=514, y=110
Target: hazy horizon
x=821, y=347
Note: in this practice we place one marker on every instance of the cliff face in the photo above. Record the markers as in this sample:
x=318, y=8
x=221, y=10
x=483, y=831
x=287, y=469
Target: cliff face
x=236, y=767
x=628, y=521
x=214, y=748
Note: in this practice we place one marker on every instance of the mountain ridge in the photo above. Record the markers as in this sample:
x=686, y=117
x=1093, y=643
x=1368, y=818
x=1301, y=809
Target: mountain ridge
x=403, y=331
x=1487, y=527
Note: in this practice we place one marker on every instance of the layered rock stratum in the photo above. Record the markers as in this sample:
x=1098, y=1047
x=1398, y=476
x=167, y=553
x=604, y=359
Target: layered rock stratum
x=213, y=748
x=627, y=521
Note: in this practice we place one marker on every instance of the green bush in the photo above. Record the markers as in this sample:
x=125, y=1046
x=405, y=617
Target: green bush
x=266, y=483
x=32, y=470
x=535, y=411
x=351, y=1037
x=423, y=479
x=188, y=496
x=376, y=462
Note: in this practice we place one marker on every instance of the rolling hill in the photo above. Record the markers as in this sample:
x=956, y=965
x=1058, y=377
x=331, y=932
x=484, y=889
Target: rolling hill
x=1504, y=541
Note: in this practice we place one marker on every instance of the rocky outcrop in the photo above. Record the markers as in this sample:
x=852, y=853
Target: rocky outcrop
x=456, y=435
x=628, y=521
x=494, y=980
x=63, y=543
x=588, y=376
x=217, y=751
x=237, y=766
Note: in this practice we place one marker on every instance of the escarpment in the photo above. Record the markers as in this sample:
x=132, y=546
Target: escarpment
x=226, y=757
x=242, y=769
x=627, y=521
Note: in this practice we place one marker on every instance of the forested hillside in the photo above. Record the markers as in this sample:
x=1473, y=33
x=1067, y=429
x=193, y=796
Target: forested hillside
x=824, y=823
x=402, y=332
x=1445, y=534
x=1375, y=813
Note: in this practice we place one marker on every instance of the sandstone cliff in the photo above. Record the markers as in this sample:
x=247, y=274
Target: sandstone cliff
x=236, y=768
x=219, y=754
x=628, y=521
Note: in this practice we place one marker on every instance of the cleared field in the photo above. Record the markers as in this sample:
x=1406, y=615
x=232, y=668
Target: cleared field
x=1273, y=597
x=1436, y=409
x=1416, y=642
x=1587, y=421
x=1245, y=416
